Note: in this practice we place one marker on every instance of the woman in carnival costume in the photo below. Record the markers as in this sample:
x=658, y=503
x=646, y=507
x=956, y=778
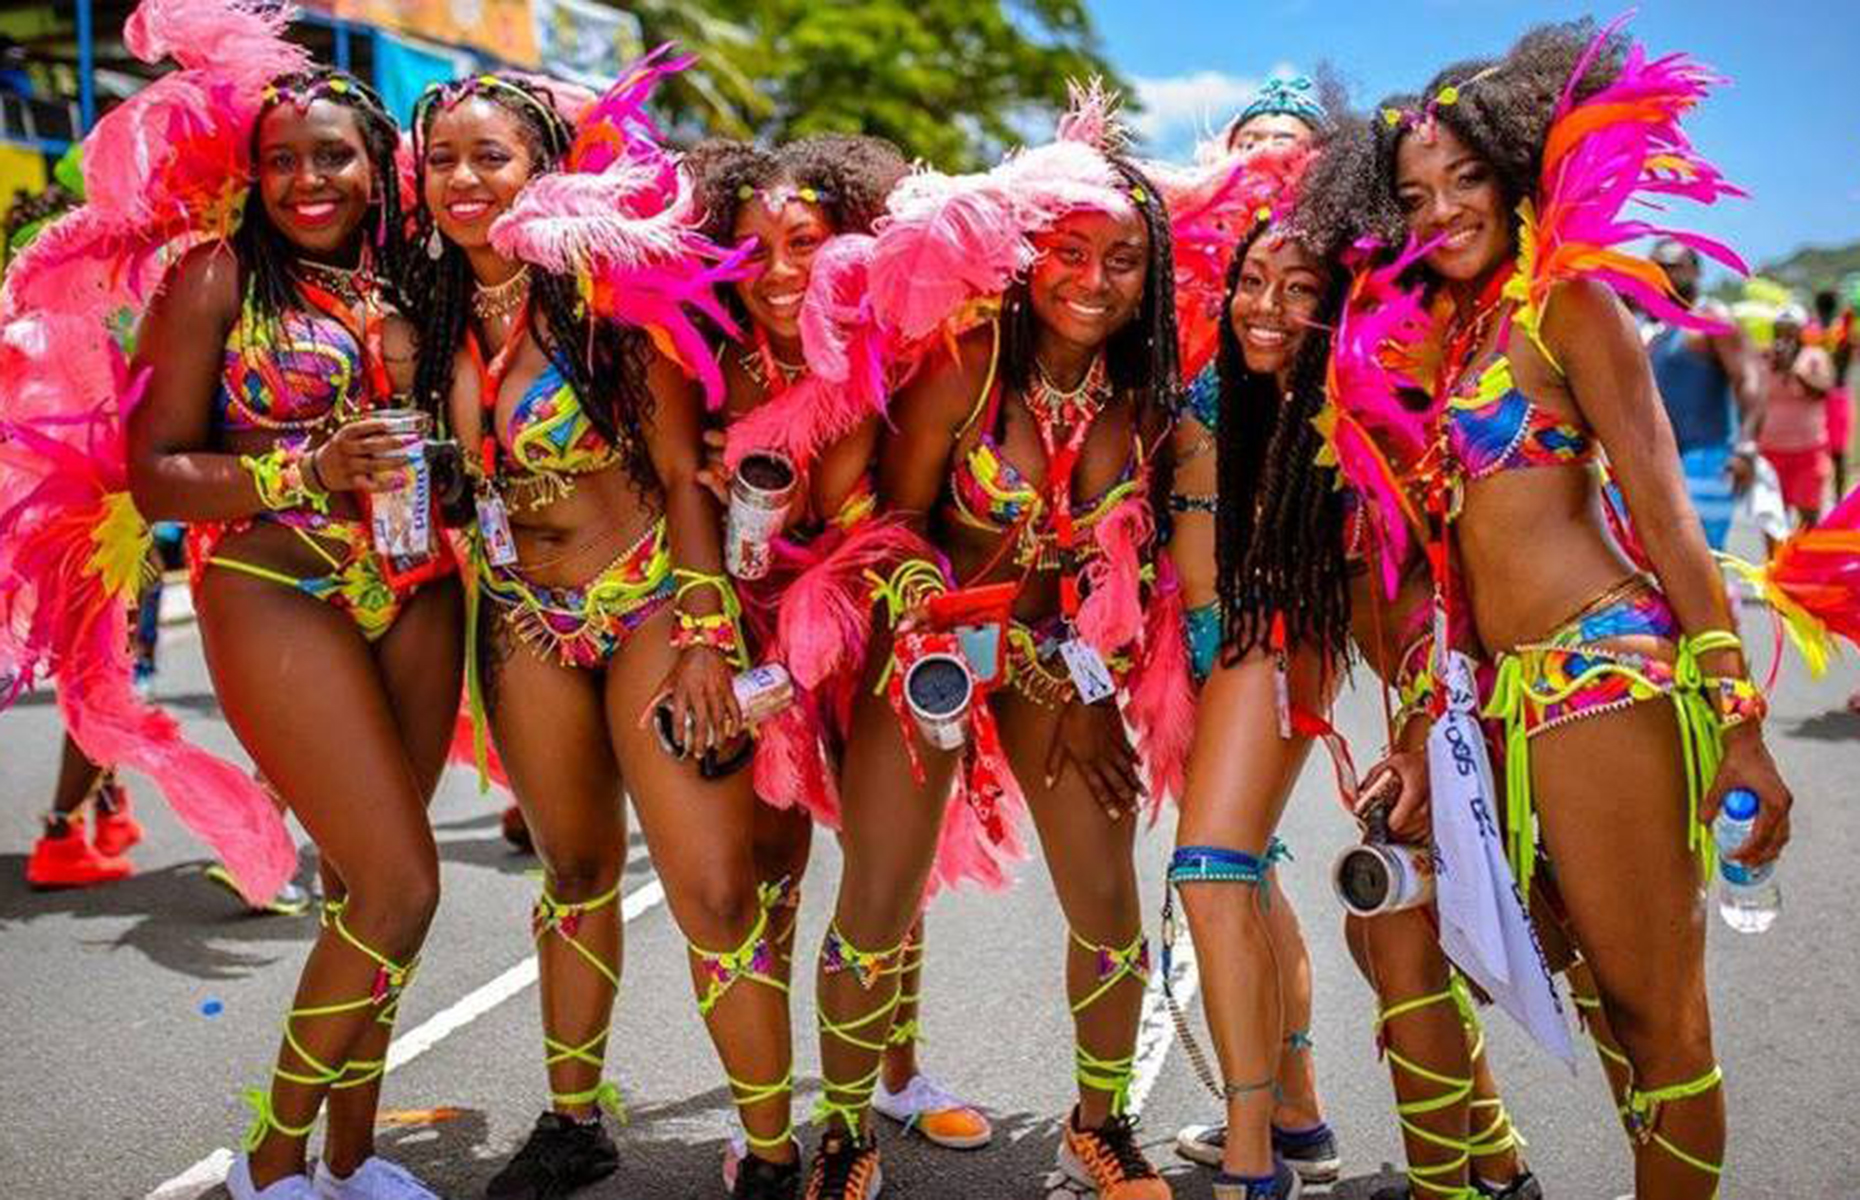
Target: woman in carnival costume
x=1509, y=175
x=1283, y=122
x=1292, y=590
x=1041, y=293
x=270, y=340
x=556, y=344
x=812, y=203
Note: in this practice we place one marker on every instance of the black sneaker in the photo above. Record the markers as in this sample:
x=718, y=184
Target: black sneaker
x=844, y=1169
x=561, y=1156
x=760, y=1179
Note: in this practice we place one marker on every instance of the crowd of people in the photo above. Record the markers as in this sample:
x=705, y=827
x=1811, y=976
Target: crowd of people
x=796, y=486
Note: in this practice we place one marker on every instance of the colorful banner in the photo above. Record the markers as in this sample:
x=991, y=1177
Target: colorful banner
x=403, y=69
x=505, y=29
x=587, y=42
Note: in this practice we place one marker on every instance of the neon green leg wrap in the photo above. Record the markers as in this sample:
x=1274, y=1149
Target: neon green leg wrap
x=910, y=958
x=1456, y=1091
x=390, y=979
x=849, y=1099
x=754, y=960
x=552, y=916
x=1641, y=1116
x=1115, y=964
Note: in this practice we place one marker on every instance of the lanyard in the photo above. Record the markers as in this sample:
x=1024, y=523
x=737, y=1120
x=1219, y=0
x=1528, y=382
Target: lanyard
x=368, y=335
x=491, y=383
x=1061, y=461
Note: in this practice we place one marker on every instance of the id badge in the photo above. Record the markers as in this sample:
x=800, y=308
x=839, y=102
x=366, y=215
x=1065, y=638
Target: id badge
x=500, y=546
x=1089, y=674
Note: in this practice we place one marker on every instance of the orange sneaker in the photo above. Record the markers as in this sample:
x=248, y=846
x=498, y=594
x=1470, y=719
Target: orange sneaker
x=844, y=1169
x=68, y=860
x=117, y=827
x=929, y=1108
x=1108, y=1161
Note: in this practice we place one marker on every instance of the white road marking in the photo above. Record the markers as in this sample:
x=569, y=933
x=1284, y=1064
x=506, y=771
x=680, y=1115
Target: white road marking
x=1156, y=1031
x=210, y=1171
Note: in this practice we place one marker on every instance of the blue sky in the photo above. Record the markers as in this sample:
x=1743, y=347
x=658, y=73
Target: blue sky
x=1787, y=128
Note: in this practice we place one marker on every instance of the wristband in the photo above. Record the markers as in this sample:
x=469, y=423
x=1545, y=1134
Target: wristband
x=718, y=631
x=278, y=477
x=1735, y=700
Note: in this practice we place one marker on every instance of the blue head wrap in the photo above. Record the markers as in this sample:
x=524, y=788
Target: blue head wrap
x=1286, y=97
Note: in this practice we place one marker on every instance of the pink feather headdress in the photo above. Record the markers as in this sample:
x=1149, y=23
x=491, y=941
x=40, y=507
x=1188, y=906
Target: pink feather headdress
x=166, y=169
x=623, y=218
x=950, y=241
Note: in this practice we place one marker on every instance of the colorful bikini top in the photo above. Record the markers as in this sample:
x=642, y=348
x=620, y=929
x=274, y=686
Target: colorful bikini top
x=988, y=492
x=549, y=437
x=1494, y=427
x=301, y=373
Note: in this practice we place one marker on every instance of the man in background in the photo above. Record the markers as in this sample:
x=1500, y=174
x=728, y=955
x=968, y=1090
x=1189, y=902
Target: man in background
x=1711, y=386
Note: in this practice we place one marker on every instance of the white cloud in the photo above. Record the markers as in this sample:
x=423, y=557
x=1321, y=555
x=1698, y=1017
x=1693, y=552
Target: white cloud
x=1180, y=109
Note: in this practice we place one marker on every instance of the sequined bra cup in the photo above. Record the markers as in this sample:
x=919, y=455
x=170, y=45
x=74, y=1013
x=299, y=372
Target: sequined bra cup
x=296, y=374
x=1494, y=427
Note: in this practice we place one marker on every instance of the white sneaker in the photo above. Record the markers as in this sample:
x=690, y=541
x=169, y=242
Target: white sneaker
x=930, y=1109
x=376, y=1179
x=239, y=1185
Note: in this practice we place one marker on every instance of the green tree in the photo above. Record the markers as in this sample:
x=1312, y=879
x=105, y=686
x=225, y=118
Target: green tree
x=721, y=94
x=950, y=81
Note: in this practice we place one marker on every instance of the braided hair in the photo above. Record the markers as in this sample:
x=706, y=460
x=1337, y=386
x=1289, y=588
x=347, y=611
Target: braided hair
x=1142, y=357
x=1502, y=110
x=1279, y=516
x=604, y=362
x=266, y=257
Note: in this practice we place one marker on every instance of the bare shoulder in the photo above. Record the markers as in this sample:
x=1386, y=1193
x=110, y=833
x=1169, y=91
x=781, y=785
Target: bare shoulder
x=202, y=285
x=947, y=387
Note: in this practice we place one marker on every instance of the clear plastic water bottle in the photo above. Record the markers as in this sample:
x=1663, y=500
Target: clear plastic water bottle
x=1749, y=898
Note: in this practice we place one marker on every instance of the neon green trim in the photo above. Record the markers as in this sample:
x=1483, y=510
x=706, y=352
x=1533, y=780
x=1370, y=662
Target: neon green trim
x=910, y=958
x=1641, y=1114
x=747, y=1095
x=390, y=979
x=550, y=915
x=256, y=572
x=1115, y=964
x=1458, y=1089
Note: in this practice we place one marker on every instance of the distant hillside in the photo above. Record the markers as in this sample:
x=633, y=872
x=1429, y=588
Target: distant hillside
x=1813, y=268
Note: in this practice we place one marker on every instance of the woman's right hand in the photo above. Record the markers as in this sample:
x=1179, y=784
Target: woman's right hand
x=1410, y=814
x=361, y=456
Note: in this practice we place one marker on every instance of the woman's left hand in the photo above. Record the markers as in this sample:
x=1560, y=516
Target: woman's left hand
x=703, y=705
x=1747, y=764
x=1410, y=811
x=1090, y=739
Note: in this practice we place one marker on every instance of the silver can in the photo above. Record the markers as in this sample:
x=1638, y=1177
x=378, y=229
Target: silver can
x=938, y=689
x=760, y=492
x=402, y=519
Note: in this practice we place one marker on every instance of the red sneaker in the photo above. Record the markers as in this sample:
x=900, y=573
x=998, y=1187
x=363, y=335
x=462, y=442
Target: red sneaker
x=117, y=827
x=72, y=862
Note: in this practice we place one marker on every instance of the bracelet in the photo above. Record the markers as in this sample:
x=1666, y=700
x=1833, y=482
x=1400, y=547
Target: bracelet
x=910, y=584
x=717, y=631
x=278, y=476
x=1735, y=700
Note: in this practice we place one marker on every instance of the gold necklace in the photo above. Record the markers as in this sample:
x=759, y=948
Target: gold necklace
x=351, y=285
x=490, y=302
x=1054, y=405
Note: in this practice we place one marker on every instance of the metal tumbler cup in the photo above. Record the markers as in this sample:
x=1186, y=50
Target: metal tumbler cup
x=938, y=690
x=1383, y=877
x=759, y=495
x=402, y=519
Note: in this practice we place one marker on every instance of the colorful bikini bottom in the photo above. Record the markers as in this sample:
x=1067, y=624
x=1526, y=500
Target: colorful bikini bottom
x=1573, y=674
x=585, y=625
x=355, y=584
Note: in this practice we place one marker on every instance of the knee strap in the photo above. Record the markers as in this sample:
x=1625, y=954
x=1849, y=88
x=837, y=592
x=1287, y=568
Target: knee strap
x=1641, y=1114
x=868, y=966
x=553, y=916
x=1212, y=864
x=753, y=959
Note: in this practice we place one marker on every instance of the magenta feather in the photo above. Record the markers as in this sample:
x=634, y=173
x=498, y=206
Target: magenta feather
x=946, y=242
x=1111, y=617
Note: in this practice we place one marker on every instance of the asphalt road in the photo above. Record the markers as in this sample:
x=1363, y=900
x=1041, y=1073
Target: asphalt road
x=135, y=1014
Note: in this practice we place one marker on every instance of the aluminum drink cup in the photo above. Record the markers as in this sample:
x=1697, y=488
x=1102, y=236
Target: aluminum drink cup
x=938, y=690
x=403, y=518
x=762, y=691
x=759, y=494
x=1382, y=877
